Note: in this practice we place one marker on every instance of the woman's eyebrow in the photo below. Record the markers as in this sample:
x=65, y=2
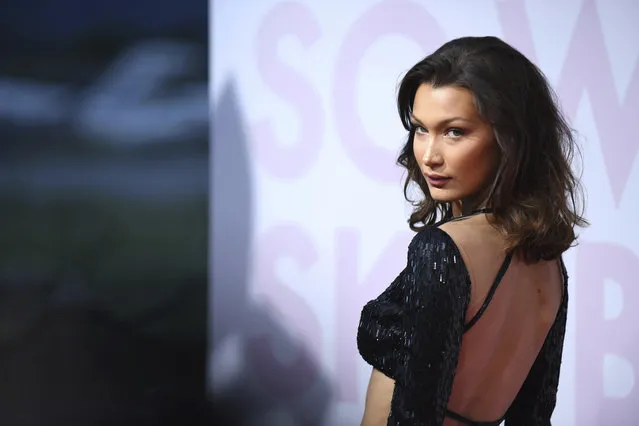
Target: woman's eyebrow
x=441, y=123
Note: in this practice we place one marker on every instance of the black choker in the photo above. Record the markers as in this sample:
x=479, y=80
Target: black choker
x=480, y=211
x=472, y=213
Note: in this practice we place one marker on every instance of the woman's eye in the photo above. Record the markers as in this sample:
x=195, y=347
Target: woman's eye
x=455, y=133
x=420, y=130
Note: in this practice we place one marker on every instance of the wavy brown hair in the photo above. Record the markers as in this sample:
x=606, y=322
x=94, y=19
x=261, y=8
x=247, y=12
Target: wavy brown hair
x=536, y=199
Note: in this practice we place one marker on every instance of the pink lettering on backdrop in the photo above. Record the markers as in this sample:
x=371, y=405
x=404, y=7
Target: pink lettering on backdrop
x=587, y=69
x=288, y=162
x=399, y=17
x=513, y=20
x=597, y=336
x=286, y=378
x=352, y=293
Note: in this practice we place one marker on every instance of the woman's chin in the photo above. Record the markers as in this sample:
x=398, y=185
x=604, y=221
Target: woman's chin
x=442, y=195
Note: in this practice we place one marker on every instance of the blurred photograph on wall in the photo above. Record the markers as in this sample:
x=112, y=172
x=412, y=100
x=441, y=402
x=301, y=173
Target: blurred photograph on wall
x=104, y=147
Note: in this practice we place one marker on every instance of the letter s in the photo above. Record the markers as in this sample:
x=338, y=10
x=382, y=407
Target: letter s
x=289, y=161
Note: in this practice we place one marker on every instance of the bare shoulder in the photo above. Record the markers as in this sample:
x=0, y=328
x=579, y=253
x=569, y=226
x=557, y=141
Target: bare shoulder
x=454, y=228
x=469, y=231
x=479, y=243
x=451, y=235
x=457, y=232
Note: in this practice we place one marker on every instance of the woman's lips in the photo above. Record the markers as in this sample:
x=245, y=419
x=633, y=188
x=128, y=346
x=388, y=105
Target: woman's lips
x=437, y=181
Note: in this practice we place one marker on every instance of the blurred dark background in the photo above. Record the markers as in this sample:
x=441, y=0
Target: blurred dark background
x=104, y=146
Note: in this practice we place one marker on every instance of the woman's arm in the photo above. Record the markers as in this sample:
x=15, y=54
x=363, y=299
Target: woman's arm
x=378, y=399
x=413, y=333
x=436, y=298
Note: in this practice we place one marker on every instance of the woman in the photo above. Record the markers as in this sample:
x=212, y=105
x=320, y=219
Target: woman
x=471, y=331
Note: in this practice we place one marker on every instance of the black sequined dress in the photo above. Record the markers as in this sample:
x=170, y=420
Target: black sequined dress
x=413, y=332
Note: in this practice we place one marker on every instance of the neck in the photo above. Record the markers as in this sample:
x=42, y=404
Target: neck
x=464, y=208
x=470, y=204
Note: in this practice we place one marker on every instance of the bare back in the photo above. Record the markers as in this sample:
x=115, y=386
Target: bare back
x=499, y=350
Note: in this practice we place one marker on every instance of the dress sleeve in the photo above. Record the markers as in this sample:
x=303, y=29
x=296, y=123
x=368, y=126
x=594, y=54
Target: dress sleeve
x=380, y=331
x=536, y=400
x=437, y=293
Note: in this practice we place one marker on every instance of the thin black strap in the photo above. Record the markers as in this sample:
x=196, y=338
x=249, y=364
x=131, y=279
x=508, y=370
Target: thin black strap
x=458, y=417
x=564, y=278
x=491, y=292
x=564, y=271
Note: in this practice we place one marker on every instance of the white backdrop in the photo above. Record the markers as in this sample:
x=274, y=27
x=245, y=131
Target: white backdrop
x=310, y=86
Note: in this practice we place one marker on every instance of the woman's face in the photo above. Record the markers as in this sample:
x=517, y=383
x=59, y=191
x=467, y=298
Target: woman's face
x=454, y=147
